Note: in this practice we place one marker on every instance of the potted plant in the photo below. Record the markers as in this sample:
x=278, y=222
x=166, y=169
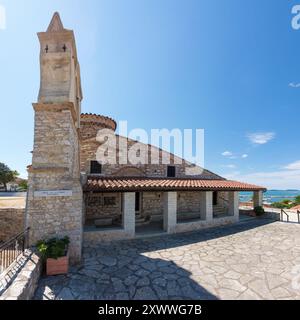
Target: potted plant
x=54, y=252
x=259, y=211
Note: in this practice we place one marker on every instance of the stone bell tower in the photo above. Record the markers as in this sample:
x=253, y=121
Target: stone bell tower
x=54, y=203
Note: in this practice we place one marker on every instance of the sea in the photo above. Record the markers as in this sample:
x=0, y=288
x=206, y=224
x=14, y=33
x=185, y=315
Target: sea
x=271, y=196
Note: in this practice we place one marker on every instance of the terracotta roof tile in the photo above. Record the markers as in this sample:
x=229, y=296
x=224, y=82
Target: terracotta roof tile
x=106, y=184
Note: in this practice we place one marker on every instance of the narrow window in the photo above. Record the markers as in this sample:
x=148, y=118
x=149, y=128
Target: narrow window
x=171, y=172
x=215, y=198
x=137, y=201
x=96, y=167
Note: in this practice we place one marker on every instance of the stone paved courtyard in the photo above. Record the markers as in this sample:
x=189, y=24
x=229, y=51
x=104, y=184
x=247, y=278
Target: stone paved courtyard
x=251, y=260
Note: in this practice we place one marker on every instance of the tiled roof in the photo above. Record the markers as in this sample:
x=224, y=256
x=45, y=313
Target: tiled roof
x=92, y=117
x=106, y=184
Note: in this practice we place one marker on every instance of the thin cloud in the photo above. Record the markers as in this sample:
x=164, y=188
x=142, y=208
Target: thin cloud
x=229, y=166
x=227, y=154
x=293, y=166
x=294, y=85
x=244, y=156
x=261, y=137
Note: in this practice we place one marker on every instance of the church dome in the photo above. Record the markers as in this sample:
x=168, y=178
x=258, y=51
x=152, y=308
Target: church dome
x=98, y=121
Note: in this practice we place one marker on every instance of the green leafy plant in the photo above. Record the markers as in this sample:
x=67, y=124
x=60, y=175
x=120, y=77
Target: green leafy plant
x=259, y=211
x=297, y=200
x=279, y=205
x=53, y=248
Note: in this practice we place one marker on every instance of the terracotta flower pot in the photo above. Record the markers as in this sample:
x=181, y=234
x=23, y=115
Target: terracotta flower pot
x=57, y=266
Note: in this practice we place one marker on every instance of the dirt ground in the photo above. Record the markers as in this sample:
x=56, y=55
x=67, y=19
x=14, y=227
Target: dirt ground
x=12, y=202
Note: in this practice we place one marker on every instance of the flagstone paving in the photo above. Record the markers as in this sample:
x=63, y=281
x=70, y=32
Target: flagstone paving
x=252, y=260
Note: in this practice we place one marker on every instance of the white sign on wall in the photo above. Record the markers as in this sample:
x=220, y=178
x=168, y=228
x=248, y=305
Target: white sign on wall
x=53, y=193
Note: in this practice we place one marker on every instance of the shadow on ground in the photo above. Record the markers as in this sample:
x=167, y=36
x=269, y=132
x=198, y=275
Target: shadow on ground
x=138, y=269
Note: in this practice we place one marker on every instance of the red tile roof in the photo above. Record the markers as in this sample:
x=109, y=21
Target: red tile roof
x=101, y=184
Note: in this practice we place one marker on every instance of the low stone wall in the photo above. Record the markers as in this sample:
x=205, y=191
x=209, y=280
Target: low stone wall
x=12, y=222
x=22, y=281
x=201, y=224
x=106, y=235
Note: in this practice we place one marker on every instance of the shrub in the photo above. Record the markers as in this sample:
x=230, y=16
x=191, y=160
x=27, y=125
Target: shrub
x=297, y=200
x=53, y=248
x=259, y=210
x=279, y=205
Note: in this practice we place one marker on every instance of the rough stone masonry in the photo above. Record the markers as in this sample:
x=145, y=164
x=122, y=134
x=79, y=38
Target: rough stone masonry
x=55, y=194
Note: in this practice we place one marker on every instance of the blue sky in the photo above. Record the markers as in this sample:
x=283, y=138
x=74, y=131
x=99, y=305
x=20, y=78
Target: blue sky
x=230, y=67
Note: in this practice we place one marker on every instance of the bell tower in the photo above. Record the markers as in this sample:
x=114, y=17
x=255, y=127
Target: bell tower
x=54, y=201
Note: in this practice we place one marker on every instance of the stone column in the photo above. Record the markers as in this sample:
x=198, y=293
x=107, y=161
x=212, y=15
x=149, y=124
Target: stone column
x=170, y=211
x=206, y=206
x=257, y=199
x=233, y=205
x=129, y=213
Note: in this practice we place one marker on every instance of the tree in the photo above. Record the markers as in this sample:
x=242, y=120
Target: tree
x=7, y=175
x=297, y=200
x=23, y=185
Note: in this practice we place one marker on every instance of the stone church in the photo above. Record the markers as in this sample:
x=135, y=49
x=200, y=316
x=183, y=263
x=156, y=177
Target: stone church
x=72, y=193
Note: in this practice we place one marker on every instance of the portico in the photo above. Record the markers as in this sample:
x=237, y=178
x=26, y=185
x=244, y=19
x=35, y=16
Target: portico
x=172, y=211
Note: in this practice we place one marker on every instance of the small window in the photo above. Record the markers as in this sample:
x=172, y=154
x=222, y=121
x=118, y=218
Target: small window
x=215, y=198
x=110, y=201
x=171, y=172
x=96, y=167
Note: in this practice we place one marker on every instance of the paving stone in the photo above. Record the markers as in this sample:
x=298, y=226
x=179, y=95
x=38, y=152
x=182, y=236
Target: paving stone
x=234, y=262
x=232, y=275
x=65, y=294
x=131, y=280
x=249, y=295
x=122, y=296
x=108, y=261
x=150, y=266
x=160, y=282
x=261, y=288
x=162, y=294
x=232, y=284
x=275, y=281
x=143, y=282
x=145, y=293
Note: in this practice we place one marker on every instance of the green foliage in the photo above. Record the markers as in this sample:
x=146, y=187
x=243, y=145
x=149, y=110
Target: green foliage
x=259, y=211
x=279, y=205
x=7, y=175
x=297, y=200
x=53, y=248
x=286, y=203
x=23, y=185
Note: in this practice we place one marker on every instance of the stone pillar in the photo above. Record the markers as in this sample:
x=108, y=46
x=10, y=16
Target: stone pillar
x=206, y=206
x=129, y=213
x=170, y=211
x=233, y=204
x=257, y=199
x=54, y=202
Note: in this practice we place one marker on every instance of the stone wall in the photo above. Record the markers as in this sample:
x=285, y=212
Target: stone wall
x=23, y=279
x=89, y=147
x=12, y=222
x=198, y=225
x=188, y=202
x=152, y=205
x=55, y=166
x=188, y=205
x=97, y=208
